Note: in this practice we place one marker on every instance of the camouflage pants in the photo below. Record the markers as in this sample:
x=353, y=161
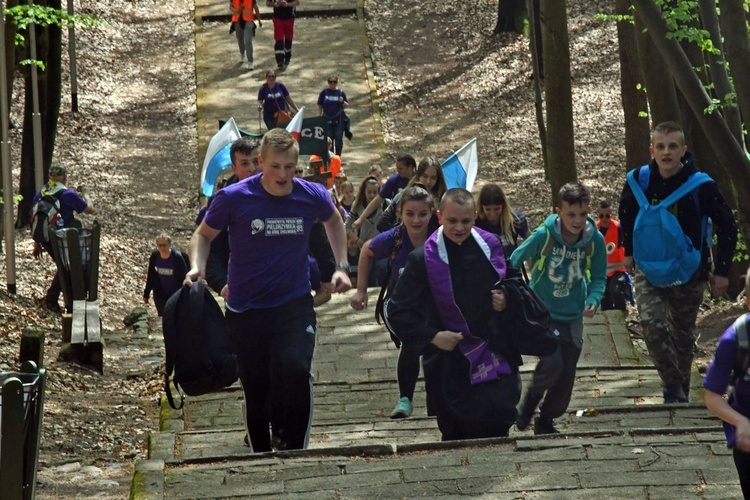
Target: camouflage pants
x=668, y=320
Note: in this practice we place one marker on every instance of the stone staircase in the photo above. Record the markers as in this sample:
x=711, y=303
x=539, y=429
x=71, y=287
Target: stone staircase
x=618, y=439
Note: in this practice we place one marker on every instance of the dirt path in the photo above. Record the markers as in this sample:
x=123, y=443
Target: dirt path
x=133, y=146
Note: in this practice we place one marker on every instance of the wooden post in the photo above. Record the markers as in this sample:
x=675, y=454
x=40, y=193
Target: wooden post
x=67, y=327
x=93, y=284
x=32, y=346
x=11, y=435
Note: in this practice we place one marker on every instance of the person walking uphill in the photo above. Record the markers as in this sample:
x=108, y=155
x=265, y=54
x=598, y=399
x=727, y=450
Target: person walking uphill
x=166, y=268
x=244, y=14
x=284, y=12
x=269, y=307
x=564, y=249
x=440, y=307
x=71, y=202
x=668, y=297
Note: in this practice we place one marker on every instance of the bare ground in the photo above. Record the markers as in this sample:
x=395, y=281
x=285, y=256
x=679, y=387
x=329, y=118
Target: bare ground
x=442, y=79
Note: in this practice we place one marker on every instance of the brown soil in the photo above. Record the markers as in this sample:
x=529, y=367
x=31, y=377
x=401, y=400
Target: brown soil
x=442, y=79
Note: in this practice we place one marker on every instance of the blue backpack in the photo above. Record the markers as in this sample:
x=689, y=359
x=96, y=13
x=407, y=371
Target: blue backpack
x=661, y=250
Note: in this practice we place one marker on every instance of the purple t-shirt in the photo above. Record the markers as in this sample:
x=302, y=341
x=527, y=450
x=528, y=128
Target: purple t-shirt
x=382, y=248
x=392, y=186
x=168, y=282
x=273, y=99
x=70, y=203
x=268, y=238
x=329, y=100
x=718, y=378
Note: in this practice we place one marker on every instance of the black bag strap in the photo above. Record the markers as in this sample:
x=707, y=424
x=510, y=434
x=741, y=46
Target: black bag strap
x=742, y=361
x=380, y=304
x=198, y=302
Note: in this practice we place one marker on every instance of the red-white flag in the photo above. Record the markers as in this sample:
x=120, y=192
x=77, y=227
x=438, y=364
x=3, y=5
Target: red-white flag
x=295, y=126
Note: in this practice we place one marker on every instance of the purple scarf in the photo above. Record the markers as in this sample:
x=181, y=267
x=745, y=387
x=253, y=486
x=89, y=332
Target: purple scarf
x=485, y=364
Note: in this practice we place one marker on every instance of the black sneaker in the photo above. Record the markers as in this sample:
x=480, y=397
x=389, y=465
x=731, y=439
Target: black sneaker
x=674, y=395
x=278, y=443
x=544, y=425
x=526, y=410
x=52, y=306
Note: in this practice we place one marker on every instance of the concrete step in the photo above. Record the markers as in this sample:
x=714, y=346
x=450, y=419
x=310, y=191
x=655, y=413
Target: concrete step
x=638, y=463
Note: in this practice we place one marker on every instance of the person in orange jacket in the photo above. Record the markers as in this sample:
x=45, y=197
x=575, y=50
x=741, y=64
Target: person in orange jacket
x=619, y=288
x=244, y=14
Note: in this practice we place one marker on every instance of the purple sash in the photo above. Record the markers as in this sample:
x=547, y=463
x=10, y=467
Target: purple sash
x=485, y=364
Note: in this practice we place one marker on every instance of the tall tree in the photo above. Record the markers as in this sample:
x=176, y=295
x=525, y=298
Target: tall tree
x=558, y=94
x=49, y=51
x=723, y=88
x=660, y=91
x=737, y=49
x=634, y=102
x=729, y=152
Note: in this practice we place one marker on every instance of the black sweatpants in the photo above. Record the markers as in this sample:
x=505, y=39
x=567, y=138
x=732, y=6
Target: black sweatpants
x=274, y=350
x=555, y=374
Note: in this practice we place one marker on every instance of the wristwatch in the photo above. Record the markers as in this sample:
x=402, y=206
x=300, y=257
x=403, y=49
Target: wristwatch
x=344, y=266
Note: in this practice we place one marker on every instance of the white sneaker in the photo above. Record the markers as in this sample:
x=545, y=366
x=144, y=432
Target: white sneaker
x=242, y=58
x=250, y=66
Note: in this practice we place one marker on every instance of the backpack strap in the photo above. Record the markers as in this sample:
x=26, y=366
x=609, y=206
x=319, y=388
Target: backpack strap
x=742, y=360
x=637, y=188
x=380, y=304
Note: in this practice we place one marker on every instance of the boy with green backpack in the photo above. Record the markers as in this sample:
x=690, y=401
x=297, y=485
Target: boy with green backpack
x=564, y=249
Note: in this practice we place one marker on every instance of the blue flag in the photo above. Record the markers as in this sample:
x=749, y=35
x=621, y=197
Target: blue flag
x=460, y=169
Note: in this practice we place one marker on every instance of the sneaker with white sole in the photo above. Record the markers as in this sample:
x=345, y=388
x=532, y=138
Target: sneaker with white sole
x=403, y=409
x=242, y=58
x=250, y=66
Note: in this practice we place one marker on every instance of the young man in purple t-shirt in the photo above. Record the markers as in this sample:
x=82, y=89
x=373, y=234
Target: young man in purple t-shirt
x=736, y=412
x=269, y=307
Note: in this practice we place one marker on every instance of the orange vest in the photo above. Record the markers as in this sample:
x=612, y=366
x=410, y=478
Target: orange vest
x=248, y=14
x=615, y=251
x=334, y=167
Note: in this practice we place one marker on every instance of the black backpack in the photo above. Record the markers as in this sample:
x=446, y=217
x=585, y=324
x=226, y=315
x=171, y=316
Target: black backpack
x=45, y=214
x=527, y=317
x=198, y=347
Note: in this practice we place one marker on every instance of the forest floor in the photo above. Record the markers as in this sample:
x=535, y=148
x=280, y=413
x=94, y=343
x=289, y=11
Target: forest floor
x=442, y=79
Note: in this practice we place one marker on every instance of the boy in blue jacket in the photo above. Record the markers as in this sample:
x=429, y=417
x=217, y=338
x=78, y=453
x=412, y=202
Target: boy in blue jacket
x=563, y=249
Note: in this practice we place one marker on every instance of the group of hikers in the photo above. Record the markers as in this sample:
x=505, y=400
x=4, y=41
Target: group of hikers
x=454, y=272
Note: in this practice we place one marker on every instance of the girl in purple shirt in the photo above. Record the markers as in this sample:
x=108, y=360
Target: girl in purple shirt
x=416, y=206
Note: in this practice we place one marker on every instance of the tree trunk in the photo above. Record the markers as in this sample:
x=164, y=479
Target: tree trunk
x=717, y=67
x=10, y=51
x=737, y=50
x=637, y=133
x=730, y=154
x=660, y=91
x=49, y=50
x=536, y=53
x=558, y=95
